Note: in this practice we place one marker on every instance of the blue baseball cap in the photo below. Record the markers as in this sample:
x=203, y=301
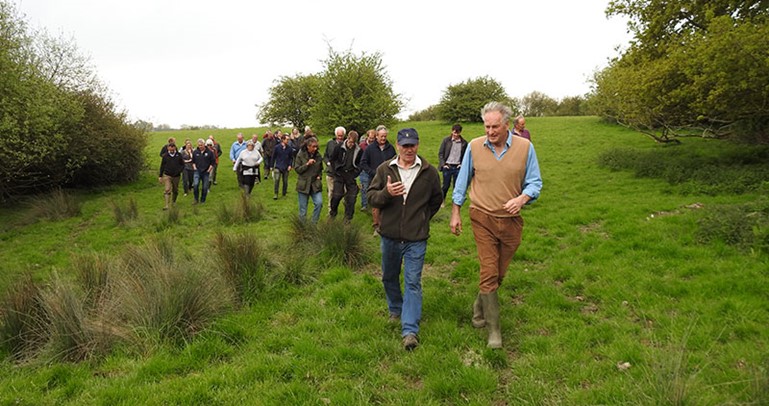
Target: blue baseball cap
x=408, y=136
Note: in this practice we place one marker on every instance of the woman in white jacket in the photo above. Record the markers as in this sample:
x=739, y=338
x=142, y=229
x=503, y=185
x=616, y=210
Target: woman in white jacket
x=248, y=163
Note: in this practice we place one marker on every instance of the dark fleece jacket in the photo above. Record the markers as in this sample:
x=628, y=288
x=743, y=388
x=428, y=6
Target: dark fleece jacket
x=409, y=221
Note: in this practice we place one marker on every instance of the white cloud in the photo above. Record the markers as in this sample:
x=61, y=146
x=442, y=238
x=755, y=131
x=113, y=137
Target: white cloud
x=202, y=62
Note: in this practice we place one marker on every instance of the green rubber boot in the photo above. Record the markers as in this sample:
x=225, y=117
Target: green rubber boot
x=478, y=320
x=491, y=312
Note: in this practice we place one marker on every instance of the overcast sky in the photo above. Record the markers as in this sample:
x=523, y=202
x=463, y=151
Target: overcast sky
x=210, y=62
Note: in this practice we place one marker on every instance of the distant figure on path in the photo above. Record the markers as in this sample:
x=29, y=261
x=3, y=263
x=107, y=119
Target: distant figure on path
x=237, y=147
x=450, y=155
x=504, y=174
x=374, y=155
x=519, y=128
x=407, y=192
x=346, y=161
x=282, y=159
x=364, y=176
x=188, y=173
x=171, y=168
x=333, y=143
x=248, y=165
x=309, y=183
x=203, y=160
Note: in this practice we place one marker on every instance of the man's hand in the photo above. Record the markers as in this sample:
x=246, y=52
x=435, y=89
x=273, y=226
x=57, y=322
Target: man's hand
x=395, y=189
x=456, y=220
x=514, y=205
x=310, y=161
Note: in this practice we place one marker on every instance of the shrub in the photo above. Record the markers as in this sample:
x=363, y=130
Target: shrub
x=745, y=226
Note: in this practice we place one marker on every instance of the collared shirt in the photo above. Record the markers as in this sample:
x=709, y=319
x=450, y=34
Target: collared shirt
x=407, y=174
x=532, y=181
x=523, y=133
x=455, y=155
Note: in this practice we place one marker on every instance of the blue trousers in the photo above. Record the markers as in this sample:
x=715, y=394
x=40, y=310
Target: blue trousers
x=408, y=305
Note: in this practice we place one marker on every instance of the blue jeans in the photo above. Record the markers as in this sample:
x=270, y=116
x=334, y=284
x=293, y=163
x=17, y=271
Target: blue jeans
x=450, y=175
x=317, y=203
x=200, y=177
x=408, y=305
x=365, y=179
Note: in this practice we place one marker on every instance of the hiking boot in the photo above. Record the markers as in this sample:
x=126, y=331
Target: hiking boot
x=394, y=318
x=410, y=342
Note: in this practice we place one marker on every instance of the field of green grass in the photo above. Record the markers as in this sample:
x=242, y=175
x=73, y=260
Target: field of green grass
x=612, y=297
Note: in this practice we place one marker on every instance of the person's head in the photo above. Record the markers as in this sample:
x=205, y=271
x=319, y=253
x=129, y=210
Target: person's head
x=268, y=134
x=249, y=145
x=496, y=121
x=519, y=123
x=171, y=140
x=279, y=134
x=171, y=147
x=381, y=135
x=352, y=139
x=201, y=144
x=294, y=132
x=254, y=137
x=408, y=145
x=240, y=137
x=312, y=145
x=307, y=130
x=210, y=143
x=211, y=137
x=456, y=130
x=370, y=136
x=339, y=132
x=284, y=139
x=187, y=143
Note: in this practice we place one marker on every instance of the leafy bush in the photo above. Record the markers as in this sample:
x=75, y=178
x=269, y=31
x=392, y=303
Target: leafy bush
x=745, y=226
x=737, y=170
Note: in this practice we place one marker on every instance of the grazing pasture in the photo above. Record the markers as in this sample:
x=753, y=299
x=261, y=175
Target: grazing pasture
x=628, y=288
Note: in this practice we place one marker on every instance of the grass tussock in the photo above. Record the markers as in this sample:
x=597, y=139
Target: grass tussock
x=124, y=212
x=57, y=205
x=244, y=263
x=245, y=210
x=23, y=319
x=345, y=244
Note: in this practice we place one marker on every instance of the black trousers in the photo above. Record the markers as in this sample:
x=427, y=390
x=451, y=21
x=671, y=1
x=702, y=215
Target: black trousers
x=344, y=187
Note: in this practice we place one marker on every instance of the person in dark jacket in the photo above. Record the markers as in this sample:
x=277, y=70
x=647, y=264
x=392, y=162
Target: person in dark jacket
x=171, y=168
x=309, y=183
x=407, y=191
x=373, y=156
x=450, y=156
x=203, y=161
x=346, y=161
x=282, y=158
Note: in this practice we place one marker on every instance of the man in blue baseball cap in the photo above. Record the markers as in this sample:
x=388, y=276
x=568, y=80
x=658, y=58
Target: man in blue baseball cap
x=407, y=192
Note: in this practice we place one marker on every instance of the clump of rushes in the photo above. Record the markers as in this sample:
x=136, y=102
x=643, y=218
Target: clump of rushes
x=124, y=213
x=244, y=264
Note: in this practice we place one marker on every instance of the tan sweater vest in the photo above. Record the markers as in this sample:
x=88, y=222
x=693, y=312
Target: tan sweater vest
x=497, y=181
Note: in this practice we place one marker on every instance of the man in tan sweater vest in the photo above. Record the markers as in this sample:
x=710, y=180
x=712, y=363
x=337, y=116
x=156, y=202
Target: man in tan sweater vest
x=502, y=172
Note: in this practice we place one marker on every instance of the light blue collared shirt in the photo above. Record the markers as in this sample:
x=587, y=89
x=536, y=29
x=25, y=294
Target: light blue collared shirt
x=532, y=181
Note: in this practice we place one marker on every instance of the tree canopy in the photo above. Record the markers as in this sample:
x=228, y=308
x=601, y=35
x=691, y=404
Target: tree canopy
x=59, y=127
x=462, y=102
x=692, y=67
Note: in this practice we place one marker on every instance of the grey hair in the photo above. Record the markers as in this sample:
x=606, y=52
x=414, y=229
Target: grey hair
x=201, y=140
x=517, y=119
x=380, y=128
x=498, y=107
x=340, y=128
x=307, y=128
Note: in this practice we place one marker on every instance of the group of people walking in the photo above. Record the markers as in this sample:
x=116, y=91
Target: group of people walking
x=403, y=191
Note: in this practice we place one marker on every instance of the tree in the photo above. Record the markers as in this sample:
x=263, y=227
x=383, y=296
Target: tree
x=571, y=106
x=291, y=101
x=538, y=104
x=355, y=92
x=59, y=127
x=428, y=114
x=693, y=67
x=463, y=102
